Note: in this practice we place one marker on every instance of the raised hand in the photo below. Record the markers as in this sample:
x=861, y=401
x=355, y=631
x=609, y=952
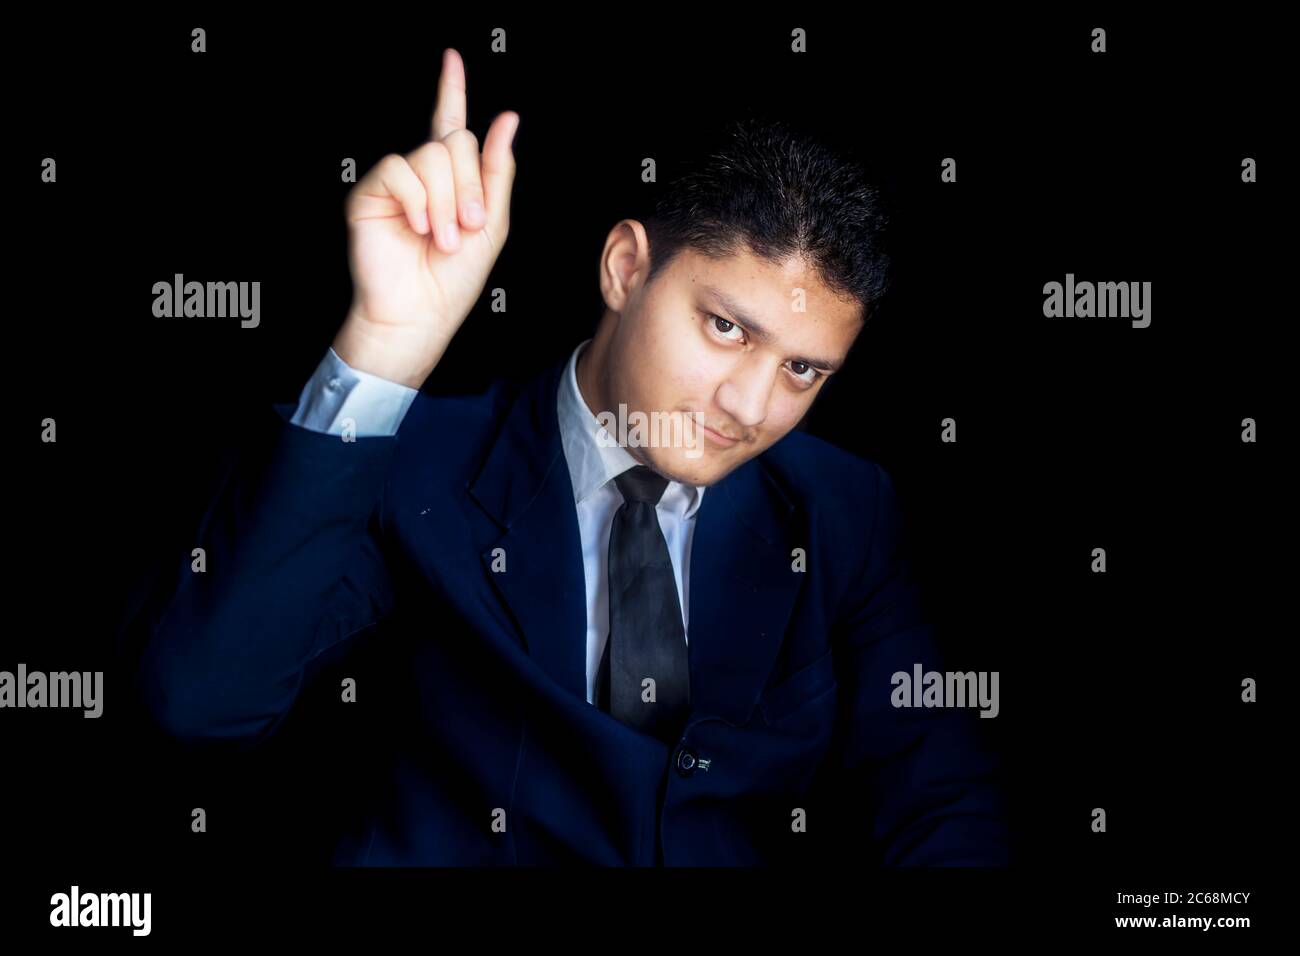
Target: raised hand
x=423, y=233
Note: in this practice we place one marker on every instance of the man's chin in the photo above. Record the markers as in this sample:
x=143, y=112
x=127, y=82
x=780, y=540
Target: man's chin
x=703, y=470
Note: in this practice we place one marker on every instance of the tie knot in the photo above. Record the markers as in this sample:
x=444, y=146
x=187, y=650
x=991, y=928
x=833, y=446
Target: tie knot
x=639, y=483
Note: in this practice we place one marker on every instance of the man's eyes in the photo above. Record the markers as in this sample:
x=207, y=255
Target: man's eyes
x=808, y=376
x=803, y=373
x=724, y=326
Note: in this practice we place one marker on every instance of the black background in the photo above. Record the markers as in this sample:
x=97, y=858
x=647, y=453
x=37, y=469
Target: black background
x=1119, y=690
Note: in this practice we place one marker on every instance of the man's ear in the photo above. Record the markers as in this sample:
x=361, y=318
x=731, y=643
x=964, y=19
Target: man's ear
x=624, y=262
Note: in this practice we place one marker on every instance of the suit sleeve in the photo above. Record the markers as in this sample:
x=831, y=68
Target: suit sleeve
x=923, y=779
x=292, y=566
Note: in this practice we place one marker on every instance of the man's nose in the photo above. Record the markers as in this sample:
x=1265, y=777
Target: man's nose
x=745, y=393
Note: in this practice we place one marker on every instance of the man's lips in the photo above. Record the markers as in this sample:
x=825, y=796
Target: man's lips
x=718, y=437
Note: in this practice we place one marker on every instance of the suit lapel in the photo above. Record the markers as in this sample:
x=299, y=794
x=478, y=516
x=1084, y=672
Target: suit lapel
x=743, y=590
x=525, y=487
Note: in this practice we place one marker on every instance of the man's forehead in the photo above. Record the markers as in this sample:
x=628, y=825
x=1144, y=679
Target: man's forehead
x=744, y=280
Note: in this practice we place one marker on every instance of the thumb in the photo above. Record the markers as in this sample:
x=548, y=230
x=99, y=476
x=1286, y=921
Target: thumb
x=499, y=169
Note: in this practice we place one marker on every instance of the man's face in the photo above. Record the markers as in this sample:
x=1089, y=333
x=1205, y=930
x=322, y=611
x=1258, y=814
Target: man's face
x=724, y=338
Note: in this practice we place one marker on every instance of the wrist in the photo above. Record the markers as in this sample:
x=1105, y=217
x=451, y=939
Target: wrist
x=406, y=357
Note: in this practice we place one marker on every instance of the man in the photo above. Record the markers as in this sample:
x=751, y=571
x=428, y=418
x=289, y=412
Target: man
x=599, y=644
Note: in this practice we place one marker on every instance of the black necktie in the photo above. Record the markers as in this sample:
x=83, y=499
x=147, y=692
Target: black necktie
x=646, y=639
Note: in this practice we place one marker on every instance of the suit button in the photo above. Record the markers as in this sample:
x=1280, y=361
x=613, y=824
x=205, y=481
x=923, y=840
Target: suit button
x=686, y=761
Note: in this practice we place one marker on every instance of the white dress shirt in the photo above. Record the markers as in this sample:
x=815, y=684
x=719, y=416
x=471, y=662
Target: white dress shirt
x=376, y=406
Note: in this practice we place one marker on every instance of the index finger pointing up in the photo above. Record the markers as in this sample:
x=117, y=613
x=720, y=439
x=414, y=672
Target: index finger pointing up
x=449, y=114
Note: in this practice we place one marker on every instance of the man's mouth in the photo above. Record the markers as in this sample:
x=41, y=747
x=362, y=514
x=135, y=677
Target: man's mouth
x=718, y=438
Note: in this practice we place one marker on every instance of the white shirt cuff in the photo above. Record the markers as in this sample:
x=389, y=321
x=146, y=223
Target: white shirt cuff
x=338, y=395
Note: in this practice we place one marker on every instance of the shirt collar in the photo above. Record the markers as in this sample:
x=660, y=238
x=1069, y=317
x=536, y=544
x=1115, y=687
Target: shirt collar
x=592, y=464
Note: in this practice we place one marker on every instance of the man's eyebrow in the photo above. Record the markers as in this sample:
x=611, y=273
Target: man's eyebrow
x=764, y=335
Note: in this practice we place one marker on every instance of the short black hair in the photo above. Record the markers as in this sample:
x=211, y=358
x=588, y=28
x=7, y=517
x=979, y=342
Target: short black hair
x=780, y=192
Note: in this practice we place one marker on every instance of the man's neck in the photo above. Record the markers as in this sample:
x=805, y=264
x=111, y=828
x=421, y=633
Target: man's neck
x=587, y=378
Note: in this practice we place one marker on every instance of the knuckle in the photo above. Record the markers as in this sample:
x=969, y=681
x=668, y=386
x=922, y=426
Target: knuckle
x=425, y=160
x=390, y=162
x=469, y=187
x=462, y=134
x=433, y=149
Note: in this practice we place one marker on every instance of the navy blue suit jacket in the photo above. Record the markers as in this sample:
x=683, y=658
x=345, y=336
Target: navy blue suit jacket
x=487, y=750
